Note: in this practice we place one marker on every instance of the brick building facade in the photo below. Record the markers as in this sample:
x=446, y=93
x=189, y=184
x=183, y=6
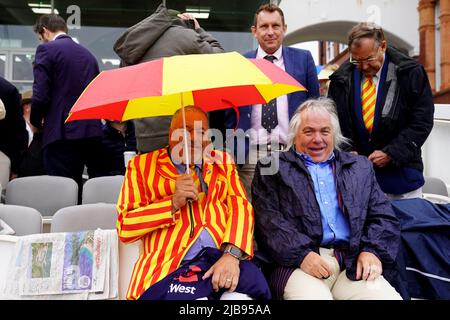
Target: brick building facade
x=434, y=31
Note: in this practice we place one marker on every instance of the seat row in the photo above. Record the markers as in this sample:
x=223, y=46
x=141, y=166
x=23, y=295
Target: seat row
x=25, y=220
x=34, y=201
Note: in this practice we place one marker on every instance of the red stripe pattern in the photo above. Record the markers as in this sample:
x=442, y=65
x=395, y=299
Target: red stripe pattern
x=368, y=98
x=145, y=213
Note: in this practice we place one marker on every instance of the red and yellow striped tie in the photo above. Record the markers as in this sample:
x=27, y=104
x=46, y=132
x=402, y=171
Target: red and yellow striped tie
x=368, y=98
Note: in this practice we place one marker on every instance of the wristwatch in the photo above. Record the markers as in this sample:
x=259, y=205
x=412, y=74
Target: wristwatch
x=233, y=251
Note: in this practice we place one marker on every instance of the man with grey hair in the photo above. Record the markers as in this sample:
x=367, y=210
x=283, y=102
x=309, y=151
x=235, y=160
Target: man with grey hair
x=385, y=108
x=322, y=217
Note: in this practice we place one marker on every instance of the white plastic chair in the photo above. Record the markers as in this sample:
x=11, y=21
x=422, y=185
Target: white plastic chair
x=128, y=255
x=7, y=246
x=46, y=194
x=435, y=185
x=85, y=217
x=5, y=170
x=23, y=220
x=102, y=189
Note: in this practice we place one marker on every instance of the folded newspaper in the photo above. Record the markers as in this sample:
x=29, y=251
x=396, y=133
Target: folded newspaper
x=69, y=265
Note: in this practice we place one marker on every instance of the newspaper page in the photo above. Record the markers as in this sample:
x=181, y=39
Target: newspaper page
x=72, y=265
x=111, y=287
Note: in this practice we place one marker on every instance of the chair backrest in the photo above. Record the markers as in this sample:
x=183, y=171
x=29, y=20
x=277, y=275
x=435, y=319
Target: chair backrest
x=85, y=217
x=5, y=169
x=23, y=220
x=128, y=255
x=435, y=186
x=47, y=194
x=102, y=189
x=7, y=248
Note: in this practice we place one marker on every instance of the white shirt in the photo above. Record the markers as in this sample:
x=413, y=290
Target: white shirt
x=30, y=133
x=259, y=135
x=59, y=34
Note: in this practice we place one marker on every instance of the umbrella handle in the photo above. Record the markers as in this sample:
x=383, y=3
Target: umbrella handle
x=186, y=152
x=191, y=218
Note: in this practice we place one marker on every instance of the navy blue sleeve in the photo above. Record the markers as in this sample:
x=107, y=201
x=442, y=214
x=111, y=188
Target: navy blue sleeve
x=275, y=232
x=313, y=81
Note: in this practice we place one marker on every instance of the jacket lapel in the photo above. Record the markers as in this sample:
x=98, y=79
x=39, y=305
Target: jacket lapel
x=289, y=68
x=345, y=187
x=165, y=166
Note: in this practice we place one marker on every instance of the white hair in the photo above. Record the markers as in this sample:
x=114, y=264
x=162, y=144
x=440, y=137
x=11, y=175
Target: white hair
x=320, y=104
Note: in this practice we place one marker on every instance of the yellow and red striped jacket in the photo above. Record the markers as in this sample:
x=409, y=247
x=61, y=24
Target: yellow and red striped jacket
x=145, y=212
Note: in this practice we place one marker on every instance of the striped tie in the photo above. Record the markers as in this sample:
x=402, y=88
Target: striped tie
x=368, y=98
x=196, y=173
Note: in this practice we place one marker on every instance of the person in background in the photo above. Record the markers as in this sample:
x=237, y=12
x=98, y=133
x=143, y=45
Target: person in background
x=13, y=135
x=269, y=122
x=26, y=110
x=385, y=107
x=322, y=217
x=165, y=33
x=62, y=70
x=31, y=163
x=118, y=137
x=324, y=78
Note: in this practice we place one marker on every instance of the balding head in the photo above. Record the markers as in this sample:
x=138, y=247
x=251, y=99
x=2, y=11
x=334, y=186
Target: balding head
x=196, y=127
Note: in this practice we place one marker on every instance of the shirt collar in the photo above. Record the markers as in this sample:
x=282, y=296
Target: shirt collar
x=260, y=53
x=181, y=167
x=378, y=74
x=59, y=34
x=307, y=159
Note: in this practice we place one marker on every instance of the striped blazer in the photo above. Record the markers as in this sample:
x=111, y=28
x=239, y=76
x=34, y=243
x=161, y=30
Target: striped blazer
x=145, y=212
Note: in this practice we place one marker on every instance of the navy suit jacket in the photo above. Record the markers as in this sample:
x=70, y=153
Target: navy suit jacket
x=62, y=71
x=300, y=65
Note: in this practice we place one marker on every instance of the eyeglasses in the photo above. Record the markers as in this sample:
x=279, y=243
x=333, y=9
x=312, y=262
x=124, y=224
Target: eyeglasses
x=365, y=61
x=359, y=62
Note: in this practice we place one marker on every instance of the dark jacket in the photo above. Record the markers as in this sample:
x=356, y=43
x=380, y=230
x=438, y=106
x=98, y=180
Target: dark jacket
x=288, y=219
x=160, y=35
x=62, y=71
x=114, y=144
x=405, y=119
x=13, y=134
x=300, y=65
x=32, y=162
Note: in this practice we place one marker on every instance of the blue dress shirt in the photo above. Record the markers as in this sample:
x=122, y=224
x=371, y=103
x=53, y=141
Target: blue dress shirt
x=335, y=225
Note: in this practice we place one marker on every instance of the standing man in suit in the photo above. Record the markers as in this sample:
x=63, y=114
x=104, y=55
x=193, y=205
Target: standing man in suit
x=385, y=108
x=269, y=123
x=62, y=71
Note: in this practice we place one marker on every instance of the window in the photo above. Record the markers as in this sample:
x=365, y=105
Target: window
x=3, y=65
x=22, y=64
x=330, y=51
x=438, y=45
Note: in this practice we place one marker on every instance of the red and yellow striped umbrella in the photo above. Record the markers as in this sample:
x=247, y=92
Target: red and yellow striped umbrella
x=160, y=87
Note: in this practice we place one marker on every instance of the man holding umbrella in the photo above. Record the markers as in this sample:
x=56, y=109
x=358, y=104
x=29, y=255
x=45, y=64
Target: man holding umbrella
x=196, y=224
